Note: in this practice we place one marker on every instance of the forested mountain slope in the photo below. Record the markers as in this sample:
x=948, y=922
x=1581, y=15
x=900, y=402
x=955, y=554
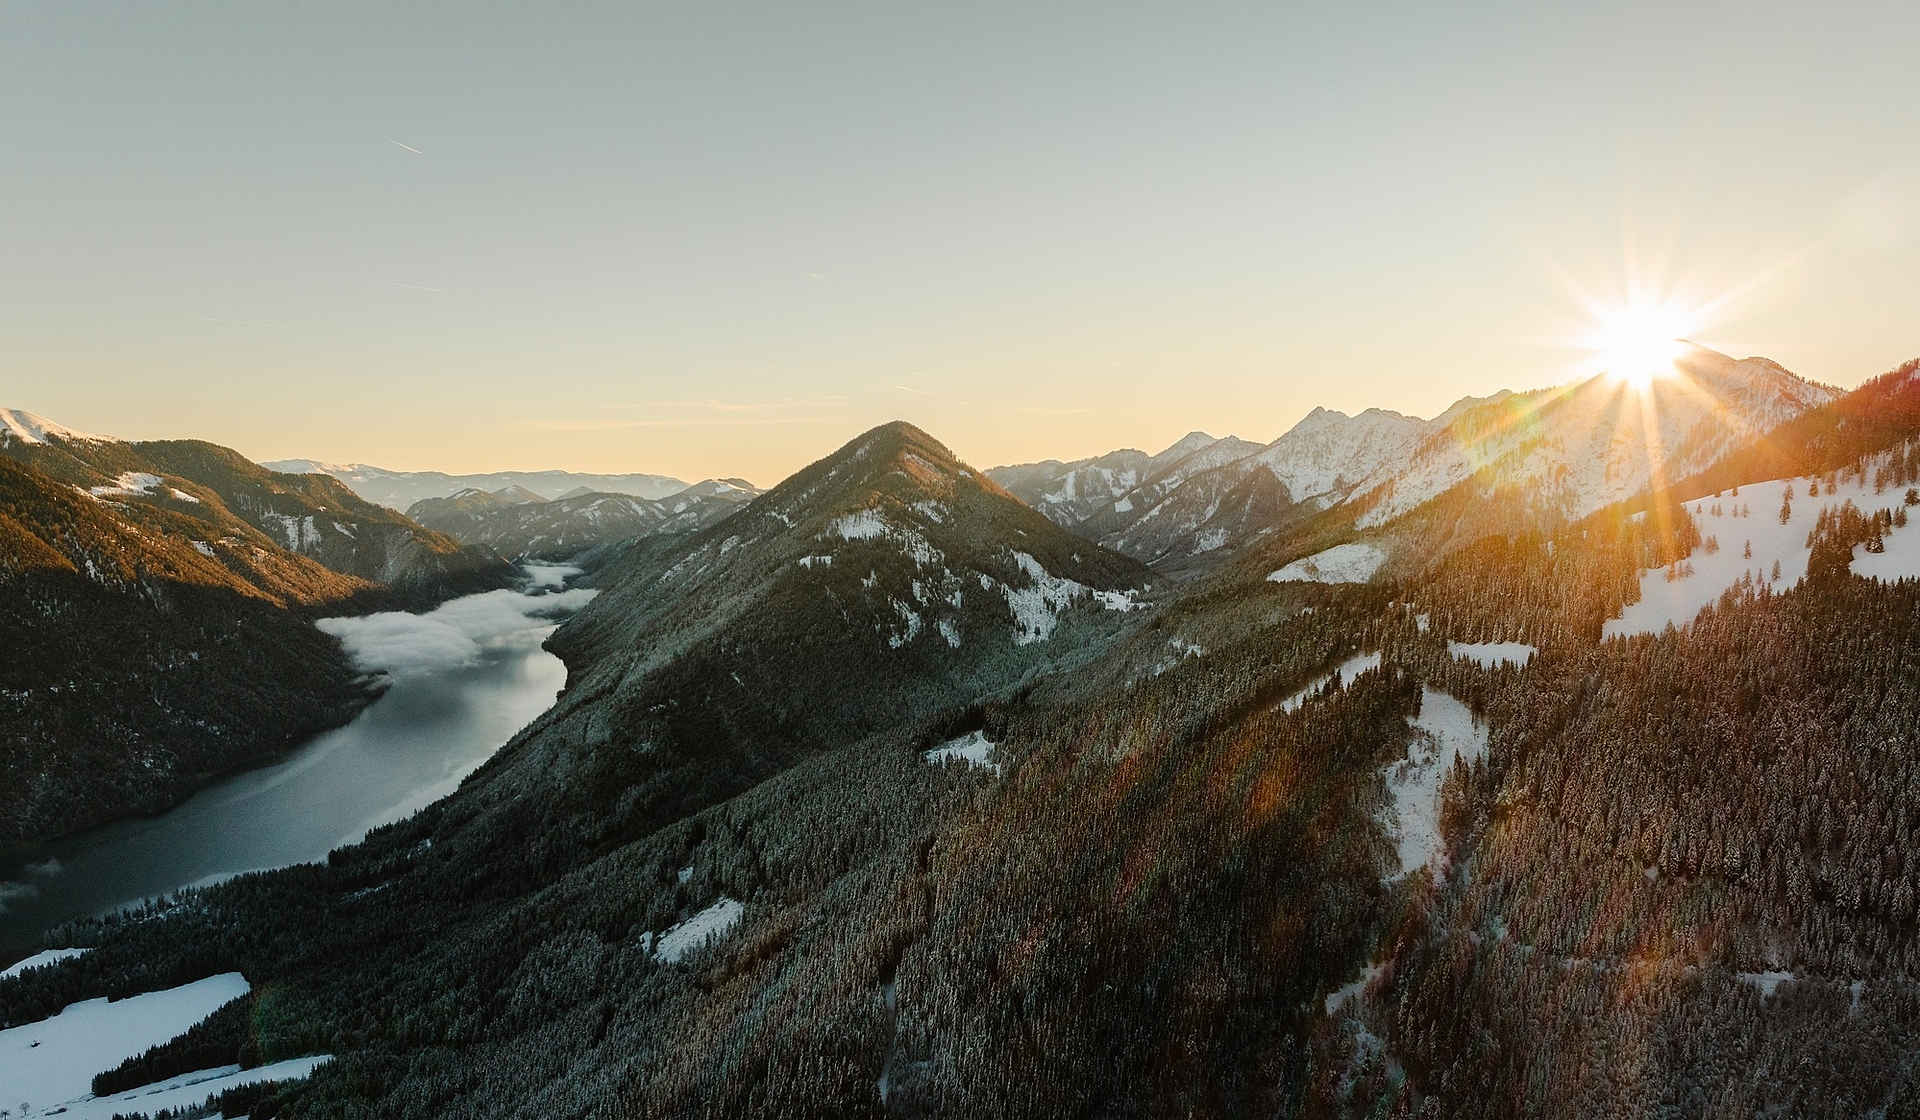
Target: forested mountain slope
x=146, y=647
x=309, y=514
x=1424, y=845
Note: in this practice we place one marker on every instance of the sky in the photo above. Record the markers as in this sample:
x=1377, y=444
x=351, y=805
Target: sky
x=722, y=239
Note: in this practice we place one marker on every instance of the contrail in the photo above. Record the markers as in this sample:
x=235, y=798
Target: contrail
x=408, y=147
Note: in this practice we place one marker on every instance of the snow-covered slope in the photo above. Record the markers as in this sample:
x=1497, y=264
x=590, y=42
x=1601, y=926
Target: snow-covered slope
x=1205, y=496
x=26, y=427
x=1574, y=449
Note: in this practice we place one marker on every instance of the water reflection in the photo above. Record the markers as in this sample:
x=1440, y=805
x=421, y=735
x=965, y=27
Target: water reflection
x=407, y=749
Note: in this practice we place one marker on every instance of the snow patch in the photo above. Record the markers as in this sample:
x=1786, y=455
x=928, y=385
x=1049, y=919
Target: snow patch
x=1492, y=654
x=129, y=483
x=809, y=561
x=1444, y=731
x=188, y=1090
x=1037, y=607
x=950, y=632
x=1347, y=670
x=864, y=525
x=1343, y=563
x=40, y=960
x=696, y=932
x=972, y=747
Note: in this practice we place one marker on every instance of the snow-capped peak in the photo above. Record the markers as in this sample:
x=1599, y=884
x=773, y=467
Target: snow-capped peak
x=26, y=427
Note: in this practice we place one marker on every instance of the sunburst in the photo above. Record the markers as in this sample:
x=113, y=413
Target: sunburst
x=1639, y=342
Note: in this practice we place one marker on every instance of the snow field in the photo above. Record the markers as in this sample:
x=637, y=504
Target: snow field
x=39, y=960
x=188, y=1089
x=1491, y=654
x=51, y=1063
x=972, y=747
x=1445, y=730
x=1732, y=526
x=699, y=930
x=1343, y=563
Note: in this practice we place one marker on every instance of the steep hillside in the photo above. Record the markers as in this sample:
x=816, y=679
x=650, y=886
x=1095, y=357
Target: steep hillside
x=312, y=515
x=401, y=489
x=523, y=525
x=148, y=648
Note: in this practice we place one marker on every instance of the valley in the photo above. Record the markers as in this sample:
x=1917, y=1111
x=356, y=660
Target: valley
x=1385, y=769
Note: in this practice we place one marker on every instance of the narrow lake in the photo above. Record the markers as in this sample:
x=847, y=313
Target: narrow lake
x=466, y=677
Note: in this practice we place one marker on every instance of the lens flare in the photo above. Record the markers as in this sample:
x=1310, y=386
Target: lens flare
x=1639, y=343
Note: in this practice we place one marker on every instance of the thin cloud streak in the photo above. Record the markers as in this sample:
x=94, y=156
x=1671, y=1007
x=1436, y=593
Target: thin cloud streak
x=408, y=147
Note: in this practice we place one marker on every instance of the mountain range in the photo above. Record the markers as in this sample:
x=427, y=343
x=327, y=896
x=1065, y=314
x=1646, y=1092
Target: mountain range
x=401, y=489
x=1551, y=757
x=518, y=523
x=1568, y=450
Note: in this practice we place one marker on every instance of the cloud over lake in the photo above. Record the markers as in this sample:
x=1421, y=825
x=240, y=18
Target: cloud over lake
x=452, y=634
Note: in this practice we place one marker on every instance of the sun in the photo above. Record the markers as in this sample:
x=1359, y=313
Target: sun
x=1638, y=343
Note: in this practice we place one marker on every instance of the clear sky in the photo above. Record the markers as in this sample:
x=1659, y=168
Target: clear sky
x=716, y=239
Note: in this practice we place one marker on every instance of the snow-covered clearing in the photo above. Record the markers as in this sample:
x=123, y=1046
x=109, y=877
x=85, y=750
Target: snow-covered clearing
x=52, y=1062
x=972, y=747
x=452, y=634
x=1343, y=563
x=1491, y=654
x=41, y=959
x=1743, y=537
x=1444, y=730
x=708, y=925
x=132, y=482
x=861, y=526
x=188, y=1089
x=1347, y=670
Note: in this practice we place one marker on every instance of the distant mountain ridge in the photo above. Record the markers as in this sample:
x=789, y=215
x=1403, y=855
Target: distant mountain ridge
x=520, y=524
x=401, y=489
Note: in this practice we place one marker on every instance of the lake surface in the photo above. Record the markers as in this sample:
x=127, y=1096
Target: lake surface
x=466, y=677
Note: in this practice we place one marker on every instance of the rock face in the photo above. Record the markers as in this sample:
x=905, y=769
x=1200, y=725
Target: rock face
x=311, y=515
